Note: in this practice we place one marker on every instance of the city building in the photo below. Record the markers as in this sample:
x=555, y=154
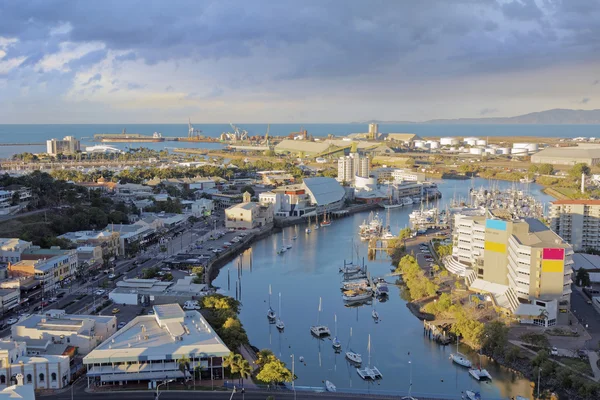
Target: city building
x=148, y=349
x=12, y=248
x=37, y=372
x=248, y=215
x=519, y=262
x=326, y=194
x=153, y=291
x=54, y=332
x=288, y=201
x=373, y=131
x=12, y=193
x=301, y=147
x=198, y=208
x=109, y=241
x=567, y=156
x=577, y=222
x=9, y=299
x=352, y=166
x=68, y=145
x=222, y=201
x=52, y=267
x=276, y=178
x=89, y=257
x=18, y=390
x=133, y=237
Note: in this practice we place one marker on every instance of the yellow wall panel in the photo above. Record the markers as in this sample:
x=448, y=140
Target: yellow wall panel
x=553, y=265
x=497, y=247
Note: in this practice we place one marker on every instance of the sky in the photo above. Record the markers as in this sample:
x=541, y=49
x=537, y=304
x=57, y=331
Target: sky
x=286, y=61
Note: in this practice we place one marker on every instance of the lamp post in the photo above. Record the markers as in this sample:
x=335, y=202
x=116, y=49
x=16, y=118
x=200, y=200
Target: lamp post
x=538, y=385
x=159, y=385
x=232, y=393
x=293, y=367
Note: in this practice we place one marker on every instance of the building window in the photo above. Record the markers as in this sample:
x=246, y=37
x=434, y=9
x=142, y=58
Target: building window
x=53, y=376
x=29, y=378
x=41, y=377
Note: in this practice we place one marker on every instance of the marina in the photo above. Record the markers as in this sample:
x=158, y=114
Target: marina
x=311, y=269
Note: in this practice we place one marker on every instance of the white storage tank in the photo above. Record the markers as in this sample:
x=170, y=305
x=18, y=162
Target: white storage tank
x=471, y=141
x=503, y=150
x=481, y=142
x=519, y=151
x=490, y=151
x=433, y=144
x=453, y=149
x=419, y=144
x=449, y=141
x=530, y=147
x=476, y=150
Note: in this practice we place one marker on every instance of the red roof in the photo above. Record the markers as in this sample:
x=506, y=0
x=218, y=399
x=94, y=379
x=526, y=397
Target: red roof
x=583, y=202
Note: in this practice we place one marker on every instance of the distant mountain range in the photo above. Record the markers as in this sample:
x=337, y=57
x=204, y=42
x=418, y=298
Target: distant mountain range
x=557, y=116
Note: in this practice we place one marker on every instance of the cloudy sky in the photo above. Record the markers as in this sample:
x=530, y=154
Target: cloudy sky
x=119, y=61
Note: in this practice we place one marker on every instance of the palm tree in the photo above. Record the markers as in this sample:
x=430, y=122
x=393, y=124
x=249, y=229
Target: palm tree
x=184, y=366
x=245, y=370
x=231, y=362
x=264, y=356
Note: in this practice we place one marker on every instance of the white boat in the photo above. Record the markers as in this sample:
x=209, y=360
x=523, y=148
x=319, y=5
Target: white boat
x=350, y=268
x=281, y=250
x=381, y=289
x=330, y=386
x=307, y=230
x=355, y=284
x=369, y=373
x=357, y=295
x=480, y=374
x=270, y=313
x=526, y=180
x=375, y=315
x=319, y=330
x=472, y=395
x=407, y=201
x=353, y=356
x=279, y=324
x=416, y=199
x=337, y=346
x=295, y=237
x=390, y=206
x=288, y=246
x=459, y=358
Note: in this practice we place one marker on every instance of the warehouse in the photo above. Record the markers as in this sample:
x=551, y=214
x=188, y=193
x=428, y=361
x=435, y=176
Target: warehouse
x=567, y=156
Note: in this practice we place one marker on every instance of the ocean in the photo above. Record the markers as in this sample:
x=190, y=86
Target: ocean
x=33, y=133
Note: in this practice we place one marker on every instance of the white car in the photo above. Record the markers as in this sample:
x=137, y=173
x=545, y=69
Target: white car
x=12, y=321
x=191, y=305
x=554, y=351
x=111, y=276
x=100, y=292
x=52, y=299
x=227, y=244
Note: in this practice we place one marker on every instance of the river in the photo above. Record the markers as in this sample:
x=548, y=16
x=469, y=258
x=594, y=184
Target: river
x=309, y=271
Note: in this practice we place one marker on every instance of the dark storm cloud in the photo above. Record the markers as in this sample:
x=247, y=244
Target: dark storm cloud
x=317, y=38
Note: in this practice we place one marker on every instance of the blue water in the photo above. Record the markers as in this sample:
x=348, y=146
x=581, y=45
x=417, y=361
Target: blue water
x=310, y=270
x=85, y=132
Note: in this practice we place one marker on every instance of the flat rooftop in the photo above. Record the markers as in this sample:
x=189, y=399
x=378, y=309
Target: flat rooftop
x=586, y=261
x=167, y=335
x=540, y=235
x=65, y=322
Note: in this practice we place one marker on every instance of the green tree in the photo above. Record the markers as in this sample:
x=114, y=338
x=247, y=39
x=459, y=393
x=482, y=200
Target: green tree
x=274, y=372
x=582, y=278
x=546, y=169
x=248, y=189
x=496, y=337
x=245, y=370
x=264, y=356
x=184, y=366
x=405, y=233
x=578, y=169
x=533, y=169
x=232, y=361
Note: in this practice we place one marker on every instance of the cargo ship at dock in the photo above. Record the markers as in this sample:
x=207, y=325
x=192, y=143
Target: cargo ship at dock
x=125, y=137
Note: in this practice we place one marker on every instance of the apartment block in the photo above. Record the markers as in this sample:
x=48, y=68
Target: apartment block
x=521, y=262
x=68, y=145
x=351, y=166
x=577, y=222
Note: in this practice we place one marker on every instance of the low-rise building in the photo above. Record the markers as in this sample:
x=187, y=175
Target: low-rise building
x=39, y=372
x=108, y=240
x=148, y=349
x=54, y=331
x=9, y=299
x=222, y=201
x=133, y=191
x=12, y=248
x=52, y=267
x=567, y=156
x=18, y=390
x=198, y=208
x=89, y=257
x=326, y=194
x=288, y=201
x=248, y=215
x=133, y=237
x=153, y=291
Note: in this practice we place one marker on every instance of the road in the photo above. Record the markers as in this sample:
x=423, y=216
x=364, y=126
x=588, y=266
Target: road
x=587, y=315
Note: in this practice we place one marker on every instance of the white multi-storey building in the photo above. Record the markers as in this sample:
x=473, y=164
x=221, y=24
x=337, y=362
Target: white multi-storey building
x=11, y=249
x=351, y=166
x=577, y=222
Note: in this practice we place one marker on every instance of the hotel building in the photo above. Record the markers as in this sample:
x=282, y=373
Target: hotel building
x=577, y=222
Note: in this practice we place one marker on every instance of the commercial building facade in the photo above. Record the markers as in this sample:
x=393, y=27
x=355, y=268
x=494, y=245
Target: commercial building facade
x=51, y=266
x=248, y=215
x=577, y=222
x=148, y=348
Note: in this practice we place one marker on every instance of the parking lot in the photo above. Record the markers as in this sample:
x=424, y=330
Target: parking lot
x=126, y=312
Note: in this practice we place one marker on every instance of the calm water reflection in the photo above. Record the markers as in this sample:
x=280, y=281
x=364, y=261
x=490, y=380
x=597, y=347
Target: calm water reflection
x=310, y=270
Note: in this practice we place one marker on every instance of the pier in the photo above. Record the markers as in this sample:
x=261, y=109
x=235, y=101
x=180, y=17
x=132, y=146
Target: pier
x=437, y=333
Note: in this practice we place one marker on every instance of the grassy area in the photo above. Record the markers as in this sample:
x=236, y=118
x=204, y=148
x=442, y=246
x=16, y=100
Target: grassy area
x=567, y=193
x=577, y=364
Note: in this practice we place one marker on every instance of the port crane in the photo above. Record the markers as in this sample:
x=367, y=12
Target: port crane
x=237, y=134
x=193, y=132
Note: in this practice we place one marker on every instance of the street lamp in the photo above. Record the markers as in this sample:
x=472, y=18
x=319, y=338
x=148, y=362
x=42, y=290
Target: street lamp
x=159, y=385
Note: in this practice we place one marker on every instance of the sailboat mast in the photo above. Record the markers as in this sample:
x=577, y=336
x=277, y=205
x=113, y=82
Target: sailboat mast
x=269, y=296
x=280, y=306
x=369, y=350
x=319, y=313
x=335, y=322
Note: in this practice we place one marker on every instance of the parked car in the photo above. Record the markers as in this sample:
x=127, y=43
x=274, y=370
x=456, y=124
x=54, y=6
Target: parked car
x=100, y=292
x=115, y=310
x=12, y=321
x=52, y=299
x=191, y=305
x=111, y=276
x=554, y=351
x=151, y=312
x=121, y=324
